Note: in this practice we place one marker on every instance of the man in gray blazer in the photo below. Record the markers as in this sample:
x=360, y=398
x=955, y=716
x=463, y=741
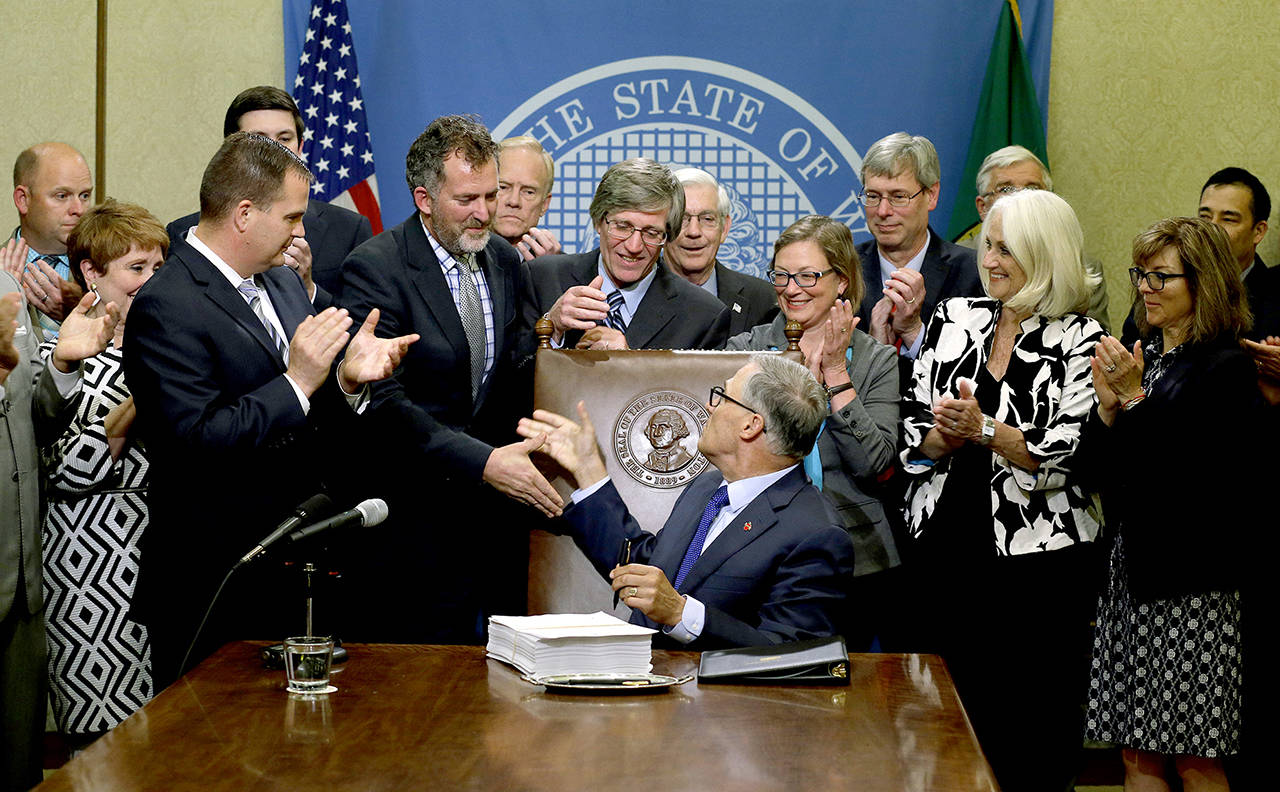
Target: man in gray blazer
x=33, y=396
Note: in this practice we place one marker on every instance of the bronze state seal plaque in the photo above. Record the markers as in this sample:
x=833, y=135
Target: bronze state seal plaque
x=655, y=439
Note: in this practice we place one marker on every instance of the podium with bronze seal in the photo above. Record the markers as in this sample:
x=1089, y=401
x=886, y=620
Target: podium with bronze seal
x=649, y=408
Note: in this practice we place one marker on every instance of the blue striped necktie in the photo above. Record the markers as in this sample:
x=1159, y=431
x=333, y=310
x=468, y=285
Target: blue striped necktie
x=615, y=319
x=253, y=294
x=709, y=514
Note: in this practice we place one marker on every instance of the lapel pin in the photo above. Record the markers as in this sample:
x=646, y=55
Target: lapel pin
x=737, y=308
x=746, y=527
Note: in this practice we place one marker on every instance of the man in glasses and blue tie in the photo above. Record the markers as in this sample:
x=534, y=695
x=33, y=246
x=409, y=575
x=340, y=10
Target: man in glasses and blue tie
x=616, y=296
x=752, y=553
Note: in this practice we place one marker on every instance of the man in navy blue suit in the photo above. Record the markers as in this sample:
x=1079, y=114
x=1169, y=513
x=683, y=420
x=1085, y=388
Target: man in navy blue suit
x=752, y=553
x=230, y=369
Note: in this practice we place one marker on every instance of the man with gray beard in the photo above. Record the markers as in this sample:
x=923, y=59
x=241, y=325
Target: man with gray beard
x=440, y=429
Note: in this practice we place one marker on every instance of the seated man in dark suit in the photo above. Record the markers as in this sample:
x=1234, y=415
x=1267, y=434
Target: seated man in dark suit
x=229, y=365
x=331, y=231
x=752, y=553
x=692, y=255
x=616, y=297
x=918, y=269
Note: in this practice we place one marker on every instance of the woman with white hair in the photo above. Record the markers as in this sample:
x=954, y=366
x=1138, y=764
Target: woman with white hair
x=1002, y=534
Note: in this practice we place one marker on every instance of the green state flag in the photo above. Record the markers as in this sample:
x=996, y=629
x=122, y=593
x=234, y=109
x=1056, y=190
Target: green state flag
x=1008, y=113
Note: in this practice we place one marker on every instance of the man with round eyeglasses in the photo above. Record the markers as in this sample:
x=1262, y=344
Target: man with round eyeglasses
x=692, y=254
x=1013, y=169
x=616, y=297
x=913, y=267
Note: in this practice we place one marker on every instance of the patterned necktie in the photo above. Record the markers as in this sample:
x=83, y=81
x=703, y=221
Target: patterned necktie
x=472, y=314
x=251, y=293
x=709, y=514
x=615, y=318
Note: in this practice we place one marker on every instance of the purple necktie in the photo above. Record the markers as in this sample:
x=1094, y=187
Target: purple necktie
x=709, y=514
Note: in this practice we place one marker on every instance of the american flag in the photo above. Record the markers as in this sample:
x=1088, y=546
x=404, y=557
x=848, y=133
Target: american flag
x=336, y=141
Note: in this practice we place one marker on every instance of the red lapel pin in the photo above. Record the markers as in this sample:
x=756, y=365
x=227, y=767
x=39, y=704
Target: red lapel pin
x=746, y=527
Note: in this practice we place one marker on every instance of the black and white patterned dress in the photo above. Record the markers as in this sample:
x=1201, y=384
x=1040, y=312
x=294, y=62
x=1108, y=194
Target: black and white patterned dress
x=99, y=665
x=1166, y=674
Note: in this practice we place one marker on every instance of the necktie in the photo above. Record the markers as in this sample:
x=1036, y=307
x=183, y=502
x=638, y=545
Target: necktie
x=472, y=315
x=251, y=293
x=615, y=319
x=709, y=514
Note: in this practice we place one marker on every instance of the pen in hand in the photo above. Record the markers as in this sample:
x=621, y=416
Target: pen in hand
x=624, y=558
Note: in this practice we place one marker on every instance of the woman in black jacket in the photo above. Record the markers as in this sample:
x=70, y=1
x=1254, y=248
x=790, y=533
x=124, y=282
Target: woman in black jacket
x=1171, y=439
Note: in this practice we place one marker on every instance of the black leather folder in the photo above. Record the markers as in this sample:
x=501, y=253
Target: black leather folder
x=820, y=661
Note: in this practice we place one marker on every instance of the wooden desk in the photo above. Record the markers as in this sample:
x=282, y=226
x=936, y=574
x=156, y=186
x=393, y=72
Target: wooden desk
x=444, y=717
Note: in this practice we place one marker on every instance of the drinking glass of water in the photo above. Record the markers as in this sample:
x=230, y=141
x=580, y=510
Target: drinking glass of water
x=306, y=662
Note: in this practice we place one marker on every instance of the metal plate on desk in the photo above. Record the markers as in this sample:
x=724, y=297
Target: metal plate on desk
x=607, y=683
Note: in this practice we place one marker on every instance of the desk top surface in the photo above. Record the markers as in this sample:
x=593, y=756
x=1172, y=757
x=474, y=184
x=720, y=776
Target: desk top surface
x=445, y=717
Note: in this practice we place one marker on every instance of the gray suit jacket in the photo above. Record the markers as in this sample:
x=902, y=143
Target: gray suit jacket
x=751, y=301
x=31, y=407
x=857, y=446
x=674, y=313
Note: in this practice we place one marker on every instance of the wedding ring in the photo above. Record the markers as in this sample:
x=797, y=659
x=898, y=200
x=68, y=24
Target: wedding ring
x=910, y=300
x=1109, y=369
x=632, y=591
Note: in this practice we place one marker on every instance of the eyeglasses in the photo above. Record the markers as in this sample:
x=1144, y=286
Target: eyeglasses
x=622, y=230
x=872, y=200
x=717, y=393
x=1010, y=189
x=707, y=220
x=1155, y=280
x=805, y=280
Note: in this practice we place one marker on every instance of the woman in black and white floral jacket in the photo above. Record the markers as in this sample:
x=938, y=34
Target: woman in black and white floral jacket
x=1002, y=536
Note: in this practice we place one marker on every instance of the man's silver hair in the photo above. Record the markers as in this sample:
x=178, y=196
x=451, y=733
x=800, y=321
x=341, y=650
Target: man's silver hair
x=1007, y=157
x=792, y=402
x=531, y=143
x=898, y=153
x=687, y=176
x=639, y=185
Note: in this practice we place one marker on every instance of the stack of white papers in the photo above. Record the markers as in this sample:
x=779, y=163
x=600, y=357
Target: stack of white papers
x=570, y=643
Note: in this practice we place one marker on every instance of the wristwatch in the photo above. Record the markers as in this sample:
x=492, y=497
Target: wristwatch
x=988, y=429
x=831, y=392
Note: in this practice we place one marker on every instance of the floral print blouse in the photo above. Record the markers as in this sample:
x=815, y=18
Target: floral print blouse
x=1047, y=393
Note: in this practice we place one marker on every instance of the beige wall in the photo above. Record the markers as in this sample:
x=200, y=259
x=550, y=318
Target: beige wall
x=172, y=68
x=1147, y=99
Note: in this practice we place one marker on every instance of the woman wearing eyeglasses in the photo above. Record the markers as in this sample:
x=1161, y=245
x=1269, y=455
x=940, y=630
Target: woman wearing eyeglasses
x=1171, y=440
x=818, y=279
x=1002, y=533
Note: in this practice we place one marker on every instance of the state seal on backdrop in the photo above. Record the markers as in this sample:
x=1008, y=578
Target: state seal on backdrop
x=655, y=439
x=777, y=155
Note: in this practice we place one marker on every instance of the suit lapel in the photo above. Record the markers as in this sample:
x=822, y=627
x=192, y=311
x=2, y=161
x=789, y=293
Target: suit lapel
x=683, y=522
x=936, y=273
x=760, y=515
x=227, y=298
x=654, y=311
x=730, y=294
x=429, y=280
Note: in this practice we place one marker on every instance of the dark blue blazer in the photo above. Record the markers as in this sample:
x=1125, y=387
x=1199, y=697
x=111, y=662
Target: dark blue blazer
x=331, y=231
x=231, y=451
x=785, y=579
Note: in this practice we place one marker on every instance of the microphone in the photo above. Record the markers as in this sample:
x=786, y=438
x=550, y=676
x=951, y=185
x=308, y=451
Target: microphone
x=310, y=509
x=367, y=514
